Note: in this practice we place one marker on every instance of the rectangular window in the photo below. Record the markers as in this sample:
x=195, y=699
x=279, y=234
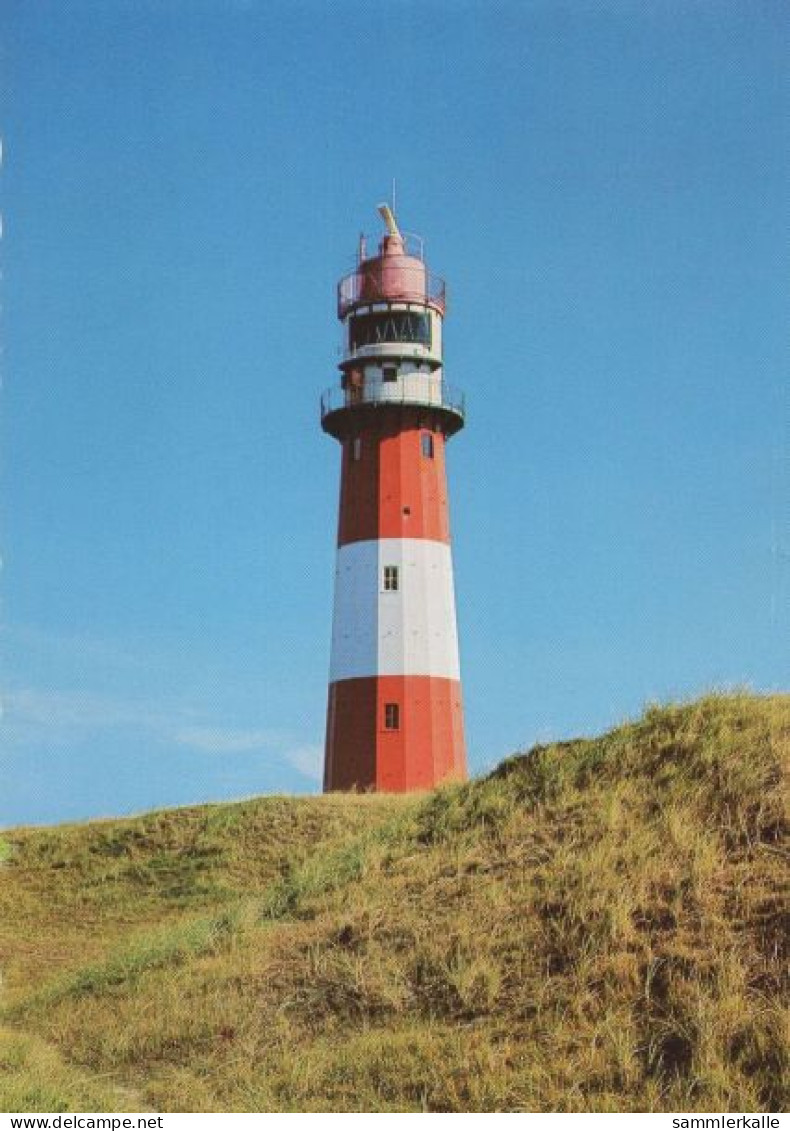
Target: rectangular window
x=389, y=373
x=427, y=445
x=356, y=448
x=390, y=578
x=391, y=716
x=389, y=326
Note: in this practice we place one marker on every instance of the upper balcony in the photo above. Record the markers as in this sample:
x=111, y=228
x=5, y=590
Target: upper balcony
x=390, y=278
x=341, y=406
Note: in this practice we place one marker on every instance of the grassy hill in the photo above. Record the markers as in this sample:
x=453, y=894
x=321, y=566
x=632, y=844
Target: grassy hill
x=598, y=925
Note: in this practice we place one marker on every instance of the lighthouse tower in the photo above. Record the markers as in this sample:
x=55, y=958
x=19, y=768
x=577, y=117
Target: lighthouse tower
x=394, y=716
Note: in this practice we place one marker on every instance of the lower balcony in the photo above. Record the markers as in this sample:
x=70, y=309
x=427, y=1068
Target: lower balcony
x=341, y=407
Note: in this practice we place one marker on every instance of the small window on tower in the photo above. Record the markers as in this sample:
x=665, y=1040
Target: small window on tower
x=389, y=373
x=390, y=578
x=356, y=448
x=427, y=445
x=391, y=716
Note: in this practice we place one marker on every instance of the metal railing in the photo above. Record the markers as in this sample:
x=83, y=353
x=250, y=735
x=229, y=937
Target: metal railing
x=374, y=281
x=412, y=389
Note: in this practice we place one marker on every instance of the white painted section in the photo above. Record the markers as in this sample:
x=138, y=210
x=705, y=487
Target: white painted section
x=408, y=632
x=436, y=332
x=355, y=618
x=387, y=350
x=411, y=384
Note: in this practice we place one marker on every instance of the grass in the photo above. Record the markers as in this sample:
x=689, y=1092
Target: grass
x=35, y=1077
x=599, y=925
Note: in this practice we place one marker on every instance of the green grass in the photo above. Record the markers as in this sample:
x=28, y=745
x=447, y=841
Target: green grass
x=35, y=1078
x=599, y=925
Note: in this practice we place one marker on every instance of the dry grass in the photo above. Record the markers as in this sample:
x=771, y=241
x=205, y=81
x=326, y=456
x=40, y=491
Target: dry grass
x=598, y=926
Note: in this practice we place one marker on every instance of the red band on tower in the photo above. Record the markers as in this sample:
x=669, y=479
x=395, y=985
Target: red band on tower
x=388, y=487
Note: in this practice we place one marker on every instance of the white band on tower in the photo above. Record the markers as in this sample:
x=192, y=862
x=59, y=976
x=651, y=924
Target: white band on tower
x=394, y=610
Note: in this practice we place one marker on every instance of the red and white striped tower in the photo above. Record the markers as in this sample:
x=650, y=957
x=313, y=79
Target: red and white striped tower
x=394, y=716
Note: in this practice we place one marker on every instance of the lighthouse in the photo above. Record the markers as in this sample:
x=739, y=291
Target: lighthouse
x=394, y=712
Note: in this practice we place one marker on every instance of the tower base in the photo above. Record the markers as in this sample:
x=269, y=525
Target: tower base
x=371, y=747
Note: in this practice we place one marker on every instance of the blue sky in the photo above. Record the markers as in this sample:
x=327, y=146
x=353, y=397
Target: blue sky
x=604, y=186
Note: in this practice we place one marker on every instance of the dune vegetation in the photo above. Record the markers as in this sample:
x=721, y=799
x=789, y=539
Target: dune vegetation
x=598, y=925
